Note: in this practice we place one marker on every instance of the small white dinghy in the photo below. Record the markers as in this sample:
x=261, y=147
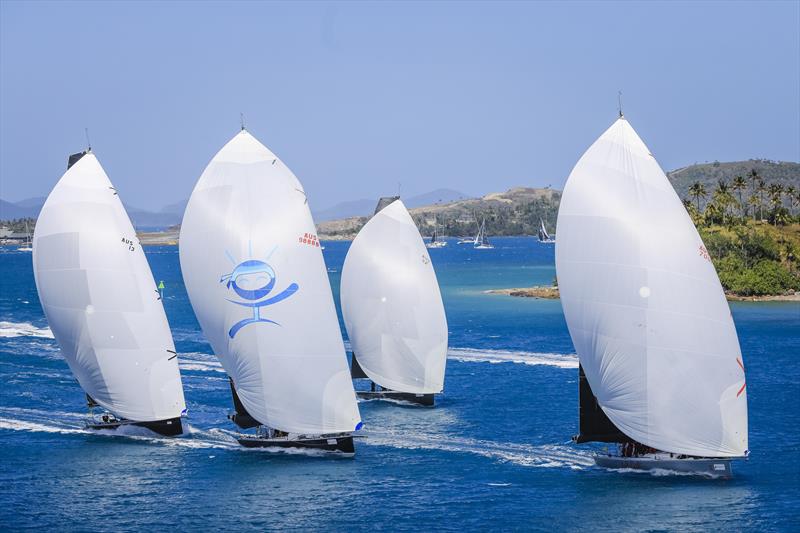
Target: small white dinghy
x=257, y=281
x=661, y=371
x=102, y=303
x=393, y=310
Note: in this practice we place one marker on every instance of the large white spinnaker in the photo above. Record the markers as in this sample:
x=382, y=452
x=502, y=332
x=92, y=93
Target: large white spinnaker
x=392, y=306
x=258, y=284
x=101, y=301
x=644, y=306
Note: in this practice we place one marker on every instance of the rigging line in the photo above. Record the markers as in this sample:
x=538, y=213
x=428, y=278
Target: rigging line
x=619, y=103
x=241, y=118
x=88, y=142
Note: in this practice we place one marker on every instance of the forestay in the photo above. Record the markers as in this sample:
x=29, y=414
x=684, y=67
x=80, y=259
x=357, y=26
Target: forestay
x=644, y=306
x=392, y=306
x=257, y=281
x=101, y=301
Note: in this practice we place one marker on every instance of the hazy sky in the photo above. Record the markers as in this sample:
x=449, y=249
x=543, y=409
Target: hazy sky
x=356, y=97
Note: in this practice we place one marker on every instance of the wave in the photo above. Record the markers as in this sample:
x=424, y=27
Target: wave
x=544, y=456
x=23, y=329
x=472, y=355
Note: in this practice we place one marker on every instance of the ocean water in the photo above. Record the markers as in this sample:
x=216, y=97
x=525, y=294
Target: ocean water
x=495, y=453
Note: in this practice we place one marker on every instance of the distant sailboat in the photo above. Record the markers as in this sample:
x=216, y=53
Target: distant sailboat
x=544, y=237
x=27, y=246
x=258, y=284
x=102, y=303
x=393, y=310
x=469, y=240
x=435, y=242
x=661, y=370
x=481, y=241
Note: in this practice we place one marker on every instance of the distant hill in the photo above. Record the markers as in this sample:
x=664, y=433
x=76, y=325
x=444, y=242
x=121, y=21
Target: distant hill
x=141, y=218
x=358, y=208
x=514, y=212
x=709, y=174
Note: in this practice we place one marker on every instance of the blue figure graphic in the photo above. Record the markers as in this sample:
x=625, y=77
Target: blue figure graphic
x=258, y=274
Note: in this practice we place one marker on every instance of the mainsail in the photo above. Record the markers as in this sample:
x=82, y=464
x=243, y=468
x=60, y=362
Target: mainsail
x=645, y=307
x=392, y=306
x=257, y=281
x=543, y=235
x=100, y=298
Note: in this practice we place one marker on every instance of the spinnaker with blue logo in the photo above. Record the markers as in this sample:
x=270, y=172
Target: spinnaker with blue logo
x=253, y=268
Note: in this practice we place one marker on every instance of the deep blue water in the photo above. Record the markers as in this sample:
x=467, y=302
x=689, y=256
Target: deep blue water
x=494, y=453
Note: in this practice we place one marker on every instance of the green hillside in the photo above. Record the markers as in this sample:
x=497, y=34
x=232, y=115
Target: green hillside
x=708, y=174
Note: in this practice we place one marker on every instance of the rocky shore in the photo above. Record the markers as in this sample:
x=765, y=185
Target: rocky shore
x=551, y=293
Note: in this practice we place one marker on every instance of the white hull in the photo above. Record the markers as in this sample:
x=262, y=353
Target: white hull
x=718, y=468
x=437, y=244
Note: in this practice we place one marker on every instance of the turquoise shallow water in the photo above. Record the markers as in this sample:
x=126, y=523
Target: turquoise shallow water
x=494, y=453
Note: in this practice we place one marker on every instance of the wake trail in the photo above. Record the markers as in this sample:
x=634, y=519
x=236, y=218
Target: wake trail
x=23, y=329
x=473, y=355
x=542, y=456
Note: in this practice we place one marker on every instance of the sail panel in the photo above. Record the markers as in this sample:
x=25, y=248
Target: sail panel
x=392, y=305
x=100, y=298
x=258, y=284
x=644, y=305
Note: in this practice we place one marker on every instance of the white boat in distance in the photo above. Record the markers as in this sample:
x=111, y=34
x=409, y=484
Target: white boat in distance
x=27, y=246
x=481, y=241
x=393, y=310
x=257, y=281
x=661, y=370
x=435, y=242
x=102, y=304
x=544, y=237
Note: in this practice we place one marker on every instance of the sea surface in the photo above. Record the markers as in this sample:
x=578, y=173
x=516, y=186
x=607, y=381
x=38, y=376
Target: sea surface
x=495, y=453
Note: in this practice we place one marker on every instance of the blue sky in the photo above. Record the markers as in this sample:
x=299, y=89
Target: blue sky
x=356, y=97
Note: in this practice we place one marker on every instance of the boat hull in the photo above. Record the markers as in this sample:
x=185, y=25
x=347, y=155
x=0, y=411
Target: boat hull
x=343, y=445
x=718, y=468
x=171, y=427
x=410, y=397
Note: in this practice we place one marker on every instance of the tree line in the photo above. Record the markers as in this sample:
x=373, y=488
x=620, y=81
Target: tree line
x=742, y=198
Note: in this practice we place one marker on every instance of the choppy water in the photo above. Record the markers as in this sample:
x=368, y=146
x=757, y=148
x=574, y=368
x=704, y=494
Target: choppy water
x=494, y=453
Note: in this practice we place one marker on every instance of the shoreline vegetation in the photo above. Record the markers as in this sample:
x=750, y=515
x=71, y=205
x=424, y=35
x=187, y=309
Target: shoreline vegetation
x=551, y=293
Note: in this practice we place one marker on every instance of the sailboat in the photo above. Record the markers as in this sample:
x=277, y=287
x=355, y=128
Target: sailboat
x=661, y=370
x=481, y=241
x=27, y=246
x=544, y=237
x=103, y=306
x=469, y=240
x=435, y=242
x=393, y=310
x=257, y=281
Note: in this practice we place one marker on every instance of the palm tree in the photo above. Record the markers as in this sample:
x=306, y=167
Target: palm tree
x=761, y=188
x=789, y=191
x=775, y=191
x=794, y=198
x=698, y=190
x=738, y=185
x=754, y=179
x=722, y=197
x=754, y=202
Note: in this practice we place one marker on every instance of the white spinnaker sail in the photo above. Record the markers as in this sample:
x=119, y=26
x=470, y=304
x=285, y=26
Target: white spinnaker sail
x=101, y=301
x=392, y=306
x=258, y=284
x=644, y=305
